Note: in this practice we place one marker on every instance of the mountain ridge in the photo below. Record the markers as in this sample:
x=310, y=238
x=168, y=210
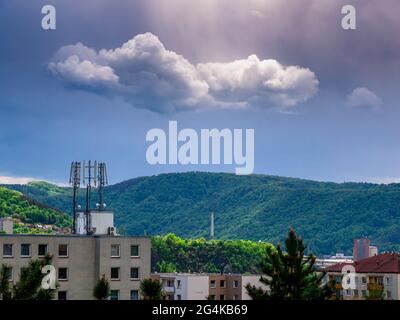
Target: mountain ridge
x=328, y=215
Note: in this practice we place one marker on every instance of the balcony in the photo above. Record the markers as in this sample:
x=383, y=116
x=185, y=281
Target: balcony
x=375, y=287
x=168, y=289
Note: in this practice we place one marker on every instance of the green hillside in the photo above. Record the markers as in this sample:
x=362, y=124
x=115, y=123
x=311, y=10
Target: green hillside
x=15, y=204
x=256, y=207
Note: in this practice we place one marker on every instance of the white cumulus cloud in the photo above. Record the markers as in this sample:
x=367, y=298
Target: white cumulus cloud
x=149, y=76
x=259, y=82
x=364, y=98
x=84, y=72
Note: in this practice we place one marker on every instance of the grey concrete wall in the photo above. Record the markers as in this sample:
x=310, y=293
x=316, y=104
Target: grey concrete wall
x=88, y=258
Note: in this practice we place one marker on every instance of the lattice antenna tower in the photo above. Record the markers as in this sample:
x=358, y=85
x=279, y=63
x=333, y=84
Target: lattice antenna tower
x=75, y=182
x=89, y=180
x=102, y=182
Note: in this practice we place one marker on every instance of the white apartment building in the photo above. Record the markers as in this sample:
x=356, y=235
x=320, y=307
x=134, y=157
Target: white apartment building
x=200, y=286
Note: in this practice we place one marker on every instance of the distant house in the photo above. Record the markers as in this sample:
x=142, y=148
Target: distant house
x=374, y=276
x=6, y=225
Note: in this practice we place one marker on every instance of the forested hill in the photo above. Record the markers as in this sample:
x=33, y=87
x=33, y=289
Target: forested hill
x=256, y=207
x=28, y=211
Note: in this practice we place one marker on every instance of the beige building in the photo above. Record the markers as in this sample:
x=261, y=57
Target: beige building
x=202, y=286
x=80, y=260
x=6, y=225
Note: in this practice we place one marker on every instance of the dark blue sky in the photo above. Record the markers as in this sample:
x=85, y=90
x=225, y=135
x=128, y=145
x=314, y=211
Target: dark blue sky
x=345, y=130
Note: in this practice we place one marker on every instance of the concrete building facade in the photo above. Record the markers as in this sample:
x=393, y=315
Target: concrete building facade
x=81, y=260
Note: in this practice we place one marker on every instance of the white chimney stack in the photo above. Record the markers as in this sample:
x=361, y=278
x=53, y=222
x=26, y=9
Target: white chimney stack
x=212, y=226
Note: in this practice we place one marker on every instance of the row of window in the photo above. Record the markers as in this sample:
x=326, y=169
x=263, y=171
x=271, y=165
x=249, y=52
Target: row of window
x=62, y=274
x=25, y=250
x=116, y=271
x=115, y=251
x=222, y=297
x=222, y=284
x=134, y=295
x=115, y=295
x=356, y=293
x=114, y=274
x=213, y=284
x=373, y=280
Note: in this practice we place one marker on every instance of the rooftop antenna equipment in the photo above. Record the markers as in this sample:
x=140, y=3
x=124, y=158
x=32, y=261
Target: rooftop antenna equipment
x=75, y=181
x=90, y=180
x=102, y=182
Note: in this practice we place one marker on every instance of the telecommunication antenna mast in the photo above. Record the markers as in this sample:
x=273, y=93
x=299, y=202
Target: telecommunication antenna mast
x=90, y=180
x=102, y=182
x=75, y=181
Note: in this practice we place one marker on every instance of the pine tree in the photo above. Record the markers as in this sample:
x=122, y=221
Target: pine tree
x=290, y=275
x=102, y=290
x=151, y=289
x=29, y=285
x=5, y=290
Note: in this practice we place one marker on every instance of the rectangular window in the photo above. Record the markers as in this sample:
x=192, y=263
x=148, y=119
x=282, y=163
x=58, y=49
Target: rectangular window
x=134, y=273
x=222, y=297
x=134, y=295
x=62, y=274
x=364, y=293
x=235, y=297
x=355, y=292
x=222, y=283
x=115, y=251
x=114, y=273
x=62, y=295
x=348, y=292
x=114, y=295
x=236, y=283
x=388, y=280
x=134, y=251
x=179, y=284
x=63, y=250
x=213, y=284
x=9, y=274
x=7, y=250
x=42, y=250
x=25, y=250
x=211, y=297
x=179, y=297
x=364, y=280
x=389, y=294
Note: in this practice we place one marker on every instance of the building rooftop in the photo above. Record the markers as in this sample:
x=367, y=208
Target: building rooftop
x=382, y=263
x=73, y=235
x=174, y=274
